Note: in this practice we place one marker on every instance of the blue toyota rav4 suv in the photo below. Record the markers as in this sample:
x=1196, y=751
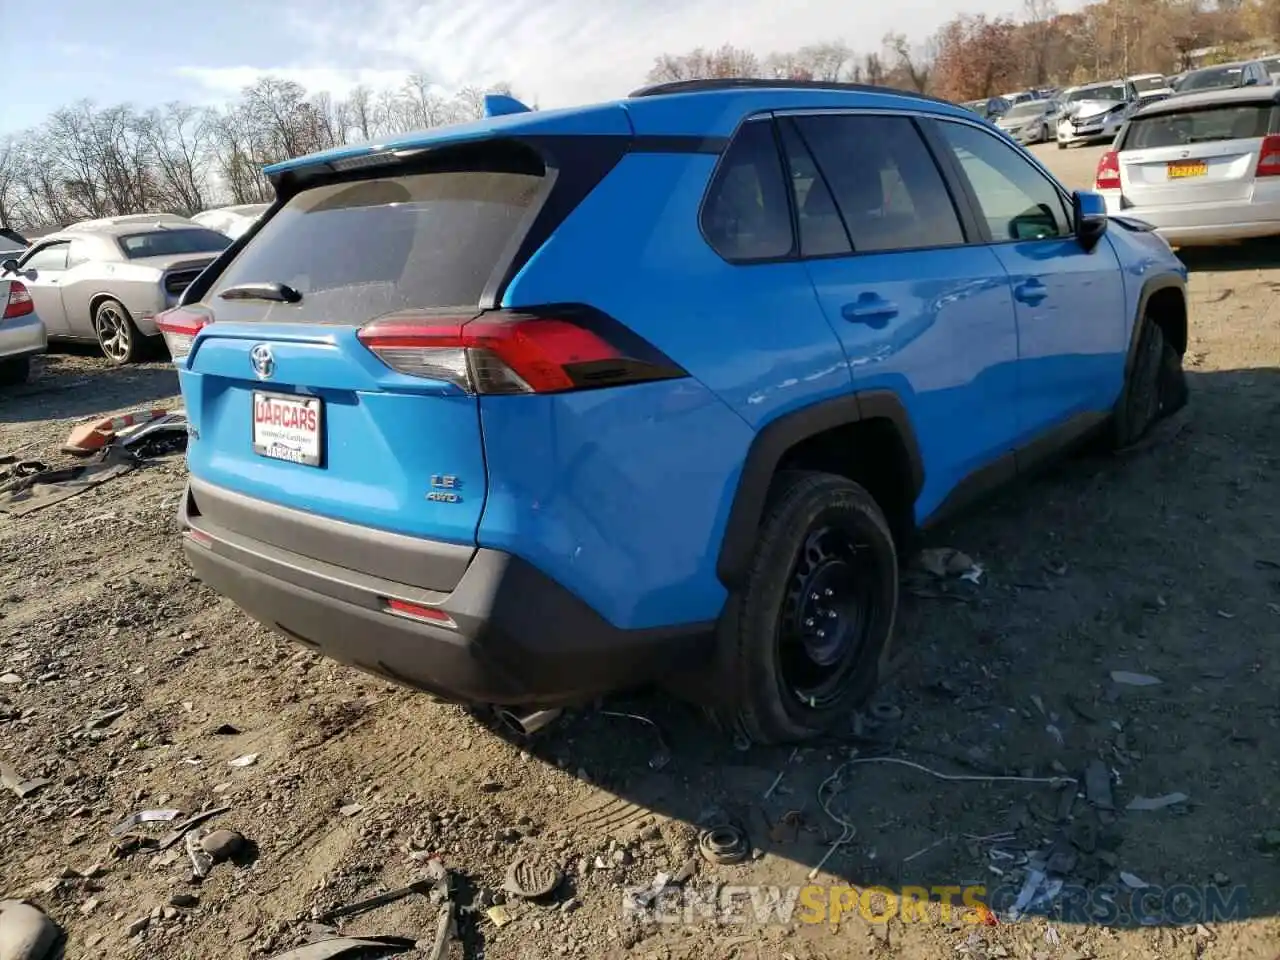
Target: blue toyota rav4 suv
x=526, y=410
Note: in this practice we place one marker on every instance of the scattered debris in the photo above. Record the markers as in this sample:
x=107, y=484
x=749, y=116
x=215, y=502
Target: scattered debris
x=498, y=916
x=201, y=859
x=248, y=760
x=40, y=487
x=1133, y=882
x=420, y=887
x=105, y=719
x=944, y=562
x=1097, y=785
x=10, y=779
x=1156, y=803
x=1269, y=842
x=1129, y=679
x=222, y=844
x=532, y=879
x=87, y=439
x=781, y=773
x=225, y=730
x=885, y=712
x=144, y=816
x=663, y=756
x=190, y=823
x=724, y=844
x=26, y=932
x=185, y=900
x=337, y=946
x=138, y=927
x=9, y=679
x=351, y=809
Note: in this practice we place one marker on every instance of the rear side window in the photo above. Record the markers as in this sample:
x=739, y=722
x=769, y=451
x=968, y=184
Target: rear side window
x=52, y=257
x=822, y=231
x=885, y=183
x=1207, y=125
x=359, y=249
x=746, y=216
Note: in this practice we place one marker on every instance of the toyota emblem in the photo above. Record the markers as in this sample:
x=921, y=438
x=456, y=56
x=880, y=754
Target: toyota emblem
x=264, y=363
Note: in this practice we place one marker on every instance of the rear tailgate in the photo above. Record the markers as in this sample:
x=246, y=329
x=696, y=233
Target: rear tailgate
x=1201, y=155
x=290, y=407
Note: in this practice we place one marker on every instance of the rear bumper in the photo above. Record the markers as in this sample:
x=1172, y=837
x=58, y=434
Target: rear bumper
x=1189, y=224
x=22, y=337
x=516, y=637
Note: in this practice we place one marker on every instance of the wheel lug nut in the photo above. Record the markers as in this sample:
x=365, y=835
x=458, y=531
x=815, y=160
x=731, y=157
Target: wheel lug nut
x=822, y=634
x=828, y=592
x=831, y=614
x=809, y=622
x=813, y=596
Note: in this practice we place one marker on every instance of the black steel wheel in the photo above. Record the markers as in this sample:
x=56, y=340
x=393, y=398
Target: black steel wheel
x=802, y=642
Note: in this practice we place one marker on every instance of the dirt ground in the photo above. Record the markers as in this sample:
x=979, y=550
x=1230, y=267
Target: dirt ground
x=1164, y=562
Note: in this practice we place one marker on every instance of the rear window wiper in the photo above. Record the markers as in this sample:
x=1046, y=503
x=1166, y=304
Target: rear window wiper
x=278, y=292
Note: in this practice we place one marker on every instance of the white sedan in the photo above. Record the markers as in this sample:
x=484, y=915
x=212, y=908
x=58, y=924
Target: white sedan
x=1200, y=168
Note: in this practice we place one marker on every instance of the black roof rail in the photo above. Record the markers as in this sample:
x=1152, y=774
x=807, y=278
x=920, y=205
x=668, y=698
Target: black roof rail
x=762, y=83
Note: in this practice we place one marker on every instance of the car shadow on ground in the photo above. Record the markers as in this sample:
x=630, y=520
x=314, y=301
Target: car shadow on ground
x=1231, y=257
x=76, y=383
x=1162, y=561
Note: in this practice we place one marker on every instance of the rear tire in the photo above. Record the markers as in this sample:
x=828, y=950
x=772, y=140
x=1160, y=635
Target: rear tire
x=802, y=642
x=15, y=371
x=1155, y=388
x=118, y=336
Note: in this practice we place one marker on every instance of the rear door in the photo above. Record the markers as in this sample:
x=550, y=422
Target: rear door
x=1072, y=324
x=917, y=310
x=1201, y=155
x=42, y=271
x=291, y=408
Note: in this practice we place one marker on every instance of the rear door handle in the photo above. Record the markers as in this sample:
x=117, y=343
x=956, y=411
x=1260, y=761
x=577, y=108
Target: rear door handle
x=1030, y=292
x=872, y=310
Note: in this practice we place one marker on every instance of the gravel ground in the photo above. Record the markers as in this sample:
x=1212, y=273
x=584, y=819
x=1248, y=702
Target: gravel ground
x=1164, y=562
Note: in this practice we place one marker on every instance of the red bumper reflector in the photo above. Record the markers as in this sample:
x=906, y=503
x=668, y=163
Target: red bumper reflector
x=416, y=611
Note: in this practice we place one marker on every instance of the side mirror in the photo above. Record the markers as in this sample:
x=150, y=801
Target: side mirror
x=1090, y=211
x=9, y=266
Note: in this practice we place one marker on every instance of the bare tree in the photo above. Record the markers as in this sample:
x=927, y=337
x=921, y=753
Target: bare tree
x=913, y=67
x=700, y=63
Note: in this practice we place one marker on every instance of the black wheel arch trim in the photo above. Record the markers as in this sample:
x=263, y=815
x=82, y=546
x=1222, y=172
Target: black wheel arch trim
x=1165, y=281
x=771, y=444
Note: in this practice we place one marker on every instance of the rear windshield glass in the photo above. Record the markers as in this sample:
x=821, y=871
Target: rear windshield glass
x=168, y=243
x=1213, y=79
x=1147, y=84
x=1205, y=125
x=360, y=249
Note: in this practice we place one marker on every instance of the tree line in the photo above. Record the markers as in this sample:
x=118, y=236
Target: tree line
x=87, y=161
x=973, y=56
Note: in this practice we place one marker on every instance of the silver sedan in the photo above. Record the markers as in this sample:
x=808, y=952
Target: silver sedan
x=103, y=281
x=21, y=332
x=1200, y=168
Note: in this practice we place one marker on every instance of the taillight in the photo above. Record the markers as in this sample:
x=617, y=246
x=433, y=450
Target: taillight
x=1108, y=175
x=19, y=303
x=540, y=350
x=180, y=326
x=1269, y=157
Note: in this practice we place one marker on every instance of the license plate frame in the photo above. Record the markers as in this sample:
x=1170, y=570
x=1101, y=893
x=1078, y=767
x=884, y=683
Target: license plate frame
x=1186, y=169
x=285, y=448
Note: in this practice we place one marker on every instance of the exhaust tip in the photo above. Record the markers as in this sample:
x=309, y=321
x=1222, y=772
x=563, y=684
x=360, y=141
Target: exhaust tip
x=527, y=724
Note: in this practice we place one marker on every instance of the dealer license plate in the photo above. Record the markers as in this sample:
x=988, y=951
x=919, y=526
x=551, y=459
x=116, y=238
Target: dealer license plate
x=288, y=428
x=1181, y=169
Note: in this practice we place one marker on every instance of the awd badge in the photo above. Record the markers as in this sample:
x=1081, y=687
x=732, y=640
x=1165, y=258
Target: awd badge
x=444, y=489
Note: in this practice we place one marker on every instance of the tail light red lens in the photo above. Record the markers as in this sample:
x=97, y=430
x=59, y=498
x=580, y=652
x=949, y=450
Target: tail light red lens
x=543, y=350
x=1269, y=158
x=19, y=303
x=1108, y=175
x=180, y=326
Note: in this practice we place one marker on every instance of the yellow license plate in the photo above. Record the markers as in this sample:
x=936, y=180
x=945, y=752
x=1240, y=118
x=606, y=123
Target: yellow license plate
x=1181, y=169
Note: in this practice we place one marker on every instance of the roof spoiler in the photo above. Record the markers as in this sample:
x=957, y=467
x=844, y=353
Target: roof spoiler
x=500, y=105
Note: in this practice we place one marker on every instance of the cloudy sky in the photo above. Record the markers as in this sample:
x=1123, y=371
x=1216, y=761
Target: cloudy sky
x=555, y=52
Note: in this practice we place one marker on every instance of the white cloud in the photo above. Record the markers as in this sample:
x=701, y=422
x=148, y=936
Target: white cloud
x=227, y=82
x=559, y=52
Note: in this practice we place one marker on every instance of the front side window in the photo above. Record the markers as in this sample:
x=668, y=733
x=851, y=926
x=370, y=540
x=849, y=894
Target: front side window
x=746, y=216
x=885, y=184
x=52, y=257
x=1017, y=201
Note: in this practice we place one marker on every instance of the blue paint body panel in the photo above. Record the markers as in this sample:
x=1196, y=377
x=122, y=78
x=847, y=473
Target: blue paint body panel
x=622, y=495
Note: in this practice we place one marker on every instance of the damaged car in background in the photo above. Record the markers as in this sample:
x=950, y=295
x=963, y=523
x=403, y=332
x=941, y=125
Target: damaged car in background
x=1031, y=121
x=1096, y=112
x=105, y=280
